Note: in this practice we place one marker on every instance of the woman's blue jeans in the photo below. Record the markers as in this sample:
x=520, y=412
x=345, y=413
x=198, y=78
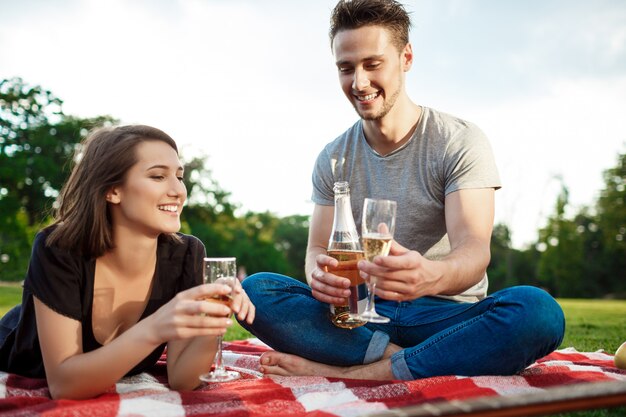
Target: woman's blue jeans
x=499, y=335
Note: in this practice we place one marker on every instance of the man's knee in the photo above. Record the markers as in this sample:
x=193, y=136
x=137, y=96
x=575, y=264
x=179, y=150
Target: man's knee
x=539, y=315
x=267, y=284
x=259, y=283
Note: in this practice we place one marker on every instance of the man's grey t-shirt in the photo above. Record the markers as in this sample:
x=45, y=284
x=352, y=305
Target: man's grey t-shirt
x=445, y=154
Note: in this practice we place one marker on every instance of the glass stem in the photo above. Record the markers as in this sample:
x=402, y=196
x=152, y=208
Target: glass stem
x=370, y=298
x=219, y=365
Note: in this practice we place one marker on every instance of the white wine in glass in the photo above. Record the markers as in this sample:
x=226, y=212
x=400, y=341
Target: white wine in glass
x=220, y=271
x=377, y=228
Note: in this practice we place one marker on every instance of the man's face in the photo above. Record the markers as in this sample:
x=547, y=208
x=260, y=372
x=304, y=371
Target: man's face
x=371, y=69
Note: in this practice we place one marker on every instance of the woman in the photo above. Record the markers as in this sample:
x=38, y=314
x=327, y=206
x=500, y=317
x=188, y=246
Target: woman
x=111, y=282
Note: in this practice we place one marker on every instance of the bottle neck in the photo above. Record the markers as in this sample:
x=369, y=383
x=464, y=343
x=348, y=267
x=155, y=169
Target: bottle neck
x=344, y=219
x=344, y=235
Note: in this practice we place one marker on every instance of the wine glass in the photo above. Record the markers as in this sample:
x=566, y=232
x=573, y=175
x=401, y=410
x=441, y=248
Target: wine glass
x=220, y=271
x=377, y=227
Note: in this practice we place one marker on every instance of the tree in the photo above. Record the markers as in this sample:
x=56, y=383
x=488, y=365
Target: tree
x=499, y=270
x=597, y=283
x=291, y=237
x=610, y=223
x=585, y=256
x=259, y=241
x=525, y=265
x=203, y=190
x=561, y=266
x=508, y=266
x=37, y=141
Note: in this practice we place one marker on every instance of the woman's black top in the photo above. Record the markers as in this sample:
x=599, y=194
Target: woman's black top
x=65, y=283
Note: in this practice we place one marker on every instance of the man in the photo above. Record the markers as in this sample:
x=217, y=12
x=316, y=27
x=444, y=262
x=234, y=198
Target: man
x=433, y=284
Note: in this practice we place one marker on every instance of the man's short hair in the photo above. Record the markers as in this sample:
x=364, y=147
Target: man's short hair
x=354, y=14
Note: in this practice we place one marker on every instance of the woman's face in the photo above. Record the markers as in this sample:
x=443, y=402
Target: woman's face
x=151, y=198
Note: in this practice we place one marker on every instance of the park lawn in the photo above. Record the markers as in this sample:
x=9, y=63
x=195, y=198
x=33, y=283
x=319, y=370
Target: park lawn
x=594, y=324
x=10, y=295
x=590, y=325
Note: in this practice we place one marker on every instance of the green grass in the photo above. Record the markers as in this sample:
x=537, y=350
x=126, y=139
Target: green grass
x=594, y=324
x=590, y=325
x=236, y=332
x=10, y=295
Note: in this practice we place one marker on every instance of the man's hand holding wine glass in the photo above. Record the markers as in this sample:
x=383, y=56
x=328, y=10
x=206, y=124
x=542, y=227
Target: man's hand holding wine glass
x=404, y=274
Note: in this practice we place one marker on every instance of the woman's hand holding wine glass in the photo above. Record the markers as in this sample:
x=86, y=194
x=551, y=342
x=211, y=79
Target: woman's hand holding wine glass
x=221, y=271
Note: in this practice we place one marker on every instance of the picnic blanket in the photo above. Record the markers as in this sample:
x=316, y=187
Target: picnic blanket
x=257, y=396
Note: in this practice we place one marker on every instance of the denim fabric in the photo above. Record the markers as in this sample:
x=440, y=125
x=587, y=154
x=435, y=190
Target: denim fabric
x=500, y=335
x=290, y=320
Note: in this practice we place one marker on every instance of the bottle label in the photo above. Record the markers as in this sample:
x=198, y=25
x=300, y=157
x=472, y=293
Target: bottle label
x=362, y=297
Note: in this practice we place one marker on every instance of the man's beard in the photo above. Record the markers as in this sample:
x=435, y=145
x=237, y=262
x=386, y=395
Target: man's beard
x=387, y=106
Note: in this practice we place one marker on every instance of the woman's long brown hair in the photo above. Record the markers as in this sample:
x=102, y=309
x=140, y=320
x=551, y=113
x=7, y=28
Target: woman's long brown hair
x=82, y=223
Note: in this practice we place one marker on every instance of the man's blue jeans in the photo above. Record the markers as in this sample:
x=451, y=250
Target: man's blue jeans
x=499, y=335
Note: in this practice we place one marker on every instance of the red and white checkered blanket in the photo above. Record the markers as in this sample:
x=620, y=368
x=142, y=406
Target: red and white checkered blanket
x=253, y=396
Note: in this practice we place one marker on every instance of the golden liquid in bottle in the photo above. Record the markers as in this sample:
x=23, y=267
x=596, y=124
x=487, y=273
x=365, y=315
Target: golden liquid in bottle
x=347, y=269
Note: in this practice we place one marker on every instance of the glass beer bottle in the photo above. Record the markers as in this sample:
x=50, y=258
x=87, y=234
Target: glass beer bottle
x=344, y=245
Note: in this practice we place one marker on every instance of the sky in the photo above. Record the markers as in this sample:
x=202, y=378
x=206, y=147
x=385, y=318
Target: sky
x=252, y=85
